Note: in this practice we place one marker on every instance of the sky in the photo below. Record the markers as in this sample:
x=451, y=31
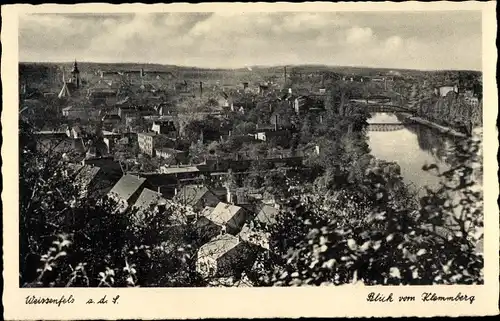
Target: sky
x=411, y=40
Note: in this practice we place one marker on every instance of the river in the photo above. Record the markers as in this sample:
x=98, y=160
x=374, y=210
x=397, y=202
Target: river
x=411, y=146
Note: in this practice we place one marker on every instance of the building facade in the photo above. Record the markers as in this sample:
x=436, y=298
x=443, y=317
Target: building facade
x=146, y=143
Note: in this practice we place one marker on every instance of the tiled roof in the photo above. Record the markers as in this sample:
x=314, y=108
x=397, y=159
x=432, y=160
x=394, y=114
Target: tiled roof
x=126, y=187
x=218, y=246
x=223, y=213
x=147, y=199
x=267, y=214
x=254, y=237
x=86, y=174
x=191, y=194
x=207, y=210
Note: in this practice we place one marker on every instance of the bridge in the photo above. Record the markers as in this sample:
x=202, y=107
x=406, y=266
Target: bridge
x=385, y=127
x=388, y=108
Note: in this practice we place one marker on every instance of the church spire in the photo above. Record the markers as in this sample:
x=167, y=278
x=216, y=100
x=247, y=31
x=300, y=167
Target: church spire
x=75, y=75
x=75, y=68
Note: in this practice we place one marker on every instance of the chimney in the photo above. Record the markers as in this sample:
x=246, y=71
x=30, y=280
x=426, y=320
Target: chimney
x=322, y=81
x=276, y=122
x=142, y=72
x=228, y=194
x=285, y=75
x=201, y=89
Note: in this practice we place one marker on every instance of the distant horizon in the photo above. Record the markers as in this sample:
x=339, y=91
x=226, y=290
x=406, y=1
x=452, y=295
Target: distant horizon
x=243, y=67
x=445, y=40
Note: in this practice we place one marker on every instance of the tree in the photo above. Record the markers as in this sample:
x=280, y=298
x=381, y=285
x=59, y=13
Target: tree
x=375, y=238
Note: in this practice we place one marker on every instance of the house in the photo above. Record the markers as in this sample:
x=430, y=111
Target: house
x=263, y=89
x=164, y=127
x=179, y=170
x=111, y=120
x=125, y=112
x=74, y=132
x=97, y=148
x=255, y=237
x=93, y=181
x=224, y=256
x=444, y=90
x=300, y=104
x=127, y=191
x=280, y=120
x=171, y=155
x=267, y=135
x=204, y=229
x=107, y=164
x=266, y=214
x=147, y=202
x=104, y=96
x=150, y=142
x=83, y=113
x=225, y=101
x=229, y=217
x=146, y=143
x=197, y=197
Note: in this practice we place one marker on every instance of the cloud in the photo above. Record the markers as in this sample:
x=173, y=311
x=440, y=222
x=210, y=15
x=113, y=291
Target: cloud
x=393, y=43
x=233, y=39
x=359, y=35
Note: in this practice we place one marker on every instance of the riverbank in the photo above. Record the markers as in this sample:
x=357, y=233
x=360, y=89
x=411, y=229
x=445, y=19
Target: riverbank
x=442, y=129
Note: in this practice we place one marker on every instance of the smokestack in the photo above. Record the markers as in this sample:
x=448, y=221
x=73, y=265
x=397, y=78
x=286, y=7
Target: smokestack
x=142, y=72
x=276, y=122
x=201, y=89
x=285, y=75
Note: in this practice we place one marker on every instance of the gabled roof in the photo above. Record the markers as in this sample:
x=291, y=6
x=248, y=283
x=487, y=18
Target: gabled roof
x=223, y=213
x=191, y=194
x=207, y=210
x=267, y=214
x=86, y=175
x=218, y=246
x=126, y=187
x=147, y=199
x=254, y=237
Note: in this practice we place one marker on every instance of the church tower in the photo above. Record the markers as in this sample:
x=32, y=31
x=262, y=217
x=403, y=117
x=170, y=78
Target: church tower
x=75, y=75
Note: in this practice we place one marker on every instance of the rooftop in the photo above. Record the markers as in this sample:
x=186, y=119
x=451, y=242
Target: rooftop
x=147, y=199
x=222, y=213
x=191, y=194
x=86, y=174
x=218, y=246
x=126, y=187
x=177, y=170
x=267, y=214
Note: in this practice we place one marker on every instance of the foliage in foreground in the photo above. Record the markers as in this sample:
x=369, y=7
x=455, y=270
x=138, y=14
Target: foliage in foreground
x=371, y=232
x=390, y=243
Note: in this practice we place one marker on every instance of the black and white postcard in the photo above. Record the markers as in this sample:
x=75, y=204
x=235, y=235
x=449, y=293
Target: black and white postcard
x=249, y=160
